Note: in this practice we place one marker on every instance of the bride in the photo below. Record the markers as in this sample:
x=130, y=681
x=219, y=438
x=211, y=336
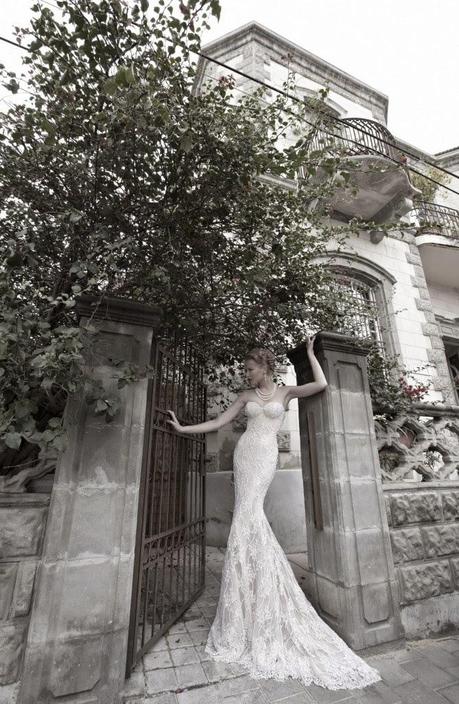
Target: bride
x=264, y=622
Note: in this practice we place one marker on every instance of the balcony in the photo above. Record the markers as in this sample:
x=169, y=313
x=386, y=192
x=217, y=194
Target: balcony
x=435, y=219
x=380, y=188
x=437, y=236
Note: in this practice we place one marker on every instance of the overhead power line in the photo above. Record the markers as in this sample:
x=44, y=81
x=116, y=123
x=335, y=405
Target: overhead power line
x=294, y=98
x=332, y=117
x=9, y=41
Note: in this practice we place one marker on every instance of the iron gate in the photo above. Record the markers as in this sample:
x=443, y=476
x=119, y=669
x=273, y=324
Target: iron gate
x=170, y=548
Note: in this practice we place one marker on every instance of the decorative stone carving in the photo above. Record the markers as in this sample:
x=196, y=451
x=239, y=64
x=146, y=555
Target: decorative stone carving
x=432, y=450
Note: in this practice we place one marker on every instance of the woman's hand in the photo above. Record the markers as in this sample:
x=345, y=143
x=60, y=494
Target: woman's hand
x=174, y=422
x=310, y=344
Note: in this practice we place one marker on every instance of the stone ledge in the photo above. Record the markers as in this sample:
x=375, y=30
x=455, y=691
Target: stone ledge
x=121, y=310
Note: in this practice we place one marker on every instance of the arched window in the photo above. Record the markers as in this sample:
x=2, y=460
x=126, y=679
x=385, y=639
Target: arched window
x=366, y=320
x=369, y=288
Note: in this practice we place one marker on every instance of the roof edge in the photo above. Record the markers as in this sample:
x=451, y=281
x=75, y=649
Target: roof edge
x=262, y=30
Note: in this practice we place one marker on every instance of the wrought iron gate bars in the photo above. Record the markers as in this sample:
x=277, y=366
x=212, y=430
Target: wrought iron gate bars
x=171, y=524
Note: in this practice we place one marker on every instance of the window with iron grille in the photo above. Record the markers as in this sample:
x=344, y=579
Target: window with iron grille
x=365, y=318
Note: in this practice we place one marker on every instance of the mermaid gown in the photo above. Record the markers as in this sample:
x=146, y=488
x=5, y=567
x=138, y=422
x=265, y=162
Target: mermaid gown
x=264, y=621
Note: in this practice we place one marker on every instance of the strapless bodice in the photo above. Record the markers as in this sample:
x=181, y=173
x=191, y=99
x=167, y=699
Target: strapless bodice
x=272, y=409
x=265, y=418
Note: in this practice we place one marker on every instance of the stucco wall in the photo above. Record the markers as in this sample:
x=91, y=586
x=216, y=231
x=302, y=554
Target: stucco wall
x=445, y=300
x=415, y=336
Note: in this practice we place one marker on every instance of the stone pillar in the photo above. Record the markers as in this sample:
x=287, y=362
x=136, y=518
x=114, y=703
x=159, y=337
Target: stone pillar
x=351, y=579
x=77, y=640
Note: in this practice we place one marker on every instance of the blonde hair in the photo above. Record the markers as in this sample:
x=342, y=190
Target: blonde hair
x=261, y=356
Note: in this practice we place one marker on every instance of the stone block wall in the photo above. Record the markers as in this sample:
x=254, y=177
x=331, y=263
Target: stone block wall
x=22, y=527
x=424, y=529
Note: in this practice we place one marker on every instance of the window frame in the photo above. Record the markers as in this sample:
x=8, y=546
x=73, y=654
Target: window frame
x=381, y=281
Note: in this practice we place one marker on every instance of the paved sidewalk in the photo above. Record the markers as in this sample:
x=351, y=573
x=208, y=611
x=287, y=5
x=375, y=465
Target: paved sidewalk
x=177, y=670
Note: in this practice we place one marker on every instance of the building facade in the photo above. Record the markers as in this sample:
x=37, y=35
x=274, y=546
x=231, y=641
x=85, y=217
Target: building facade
x=405, y=284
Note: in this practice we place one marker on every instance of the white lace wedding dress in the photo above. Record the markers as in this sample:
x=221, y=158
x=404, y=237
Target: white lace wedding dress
x=264, y=622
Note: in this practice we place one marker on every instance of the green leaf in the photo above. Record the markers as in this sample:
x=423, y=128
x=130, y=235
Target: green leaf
x=186, y=143
x=215, y=8
x=110, y=86
x=13, y=440
x=144, y=5
x=13, y=86
x=22, y=408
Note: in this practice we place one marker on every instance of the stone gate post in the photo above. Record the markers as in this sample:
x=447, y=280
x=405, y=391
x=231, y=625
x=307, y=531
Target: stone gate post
x=351, y=579
x=77, y=640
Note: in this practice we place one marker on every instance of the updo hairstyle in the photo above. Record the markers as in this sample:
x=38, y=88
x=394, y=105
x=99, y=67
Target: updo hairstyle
x=260, y=355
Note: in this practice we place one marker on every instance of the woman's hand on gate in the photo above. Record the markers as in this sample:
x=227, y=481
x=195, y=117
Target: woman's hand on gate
x=174, y=422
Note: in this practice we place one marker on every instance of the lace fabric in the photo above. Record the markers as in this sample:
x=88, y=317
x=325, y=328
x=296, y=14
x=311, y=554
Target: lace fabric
x=264, y=622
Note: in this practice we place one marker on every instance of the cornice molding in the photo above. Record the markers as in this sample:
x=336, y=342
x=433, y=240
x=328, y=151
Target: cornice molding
x=312, y=66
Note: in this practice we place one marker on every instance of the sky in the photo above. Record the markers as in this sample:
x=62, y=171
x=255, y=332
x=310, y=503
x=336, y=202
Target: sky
x=407, y=49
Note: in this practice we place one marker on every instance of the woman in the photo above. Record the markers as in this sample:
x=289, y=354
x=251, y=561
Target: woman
x=264, y=622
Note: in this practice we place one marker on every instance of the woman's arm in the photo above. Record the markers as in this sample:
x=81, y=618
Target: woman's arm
x=312, y=387
x=214, y=424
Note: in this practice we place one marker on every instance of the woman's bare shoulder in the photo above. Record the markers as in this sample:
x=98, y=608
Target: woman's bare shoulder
x=244, y=396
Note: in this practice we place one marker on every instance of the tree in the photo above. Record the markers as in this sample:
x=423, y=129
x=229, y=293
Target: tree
x=116, y=178
x=427, y=187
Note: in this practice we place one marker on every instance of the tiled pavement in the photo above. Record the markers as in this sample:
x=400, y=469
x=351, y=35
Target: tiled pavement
x=177, y=670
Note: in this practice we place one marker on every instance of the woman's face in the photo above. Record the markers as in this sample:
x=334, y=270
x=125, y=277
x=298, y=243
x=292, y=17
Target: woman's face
x=254, y=372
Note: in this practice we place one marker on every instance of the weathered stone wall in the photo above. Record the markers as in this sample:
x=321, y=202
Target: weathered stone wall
x=77, y=638
x=22, y=527
x=424, y=530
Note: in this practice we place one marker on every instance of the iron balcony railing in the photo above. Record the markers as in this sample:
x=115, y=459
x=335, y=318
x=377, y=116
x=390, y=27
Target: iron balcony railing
x=356, y=136
x=437, y=218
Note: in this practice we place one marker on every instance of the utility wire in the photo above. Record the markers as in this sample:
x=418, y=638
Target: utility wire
x=8, y=41
x=303, y=119
x=353, y=141
x=333, y=117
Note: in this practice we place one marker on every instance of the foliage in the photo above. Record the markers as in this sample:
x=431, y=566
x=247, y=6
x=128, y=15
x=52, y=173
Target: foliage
x=117, y=178
x=391, y=393
x=428, y=188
